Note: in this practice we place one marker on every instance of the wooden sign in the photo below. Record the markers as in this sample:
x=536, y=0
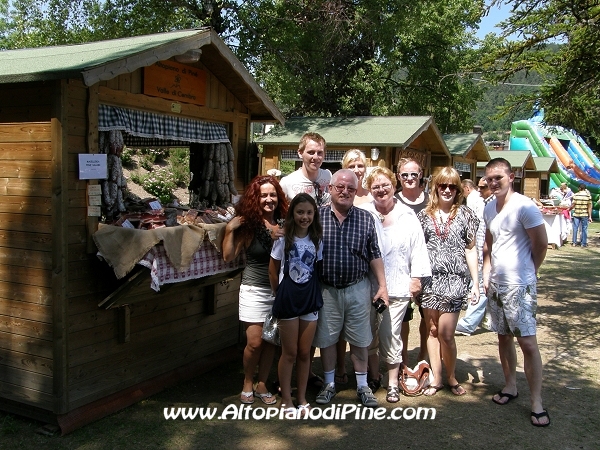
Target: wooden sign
x=174, y=81
x=417, y=155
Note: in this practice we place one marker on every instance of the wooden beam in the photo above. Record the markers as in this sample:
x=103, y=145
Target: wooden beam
x=146, y=103
x=92, y=147
x=59, y=248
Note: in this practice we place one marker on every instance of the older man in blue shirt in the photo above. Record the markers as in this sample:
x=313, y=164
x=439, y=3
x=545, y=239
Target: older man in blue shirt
x=350, y=250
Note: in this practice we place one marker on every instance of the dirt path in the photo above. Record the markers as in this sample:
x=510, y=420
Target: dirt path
x=569, y=326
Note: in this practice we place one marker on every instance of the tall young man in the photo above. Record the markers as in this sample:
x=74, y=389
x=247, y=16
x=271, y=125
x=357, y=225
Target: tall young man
x=309, y=178
x=515, y=247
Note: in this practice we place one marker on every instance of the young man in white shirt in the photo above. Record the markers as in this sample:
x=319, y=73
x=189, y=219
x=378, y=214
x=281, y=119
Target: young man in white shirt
x=309, y=178
x=515, y=247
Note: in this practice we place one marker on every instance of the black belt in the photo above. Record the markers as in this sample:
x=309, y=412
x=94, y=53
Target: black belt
x=344, y=286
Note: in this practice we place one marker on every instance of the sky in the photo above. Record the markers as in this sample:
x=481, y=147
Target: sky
x=488, y=24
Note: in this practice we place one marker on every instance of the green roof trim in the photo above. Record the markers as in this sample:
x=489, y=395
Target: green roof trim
x=516, y=158
x=545, y=164
x=368, y=130
x=46, y=63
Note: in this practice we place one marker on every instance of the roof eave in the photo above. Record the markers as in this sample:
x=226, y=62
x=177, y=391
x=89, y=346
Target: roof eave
x=108, y=71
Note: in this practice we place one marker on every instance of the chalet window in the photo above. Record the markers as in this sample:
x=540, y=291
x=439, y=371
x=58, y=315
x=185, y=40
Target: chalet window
x=330, y=155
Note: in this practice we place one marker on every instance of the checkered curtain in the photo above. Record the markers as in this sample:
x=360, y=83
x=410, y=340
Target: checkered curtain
x=150, y=125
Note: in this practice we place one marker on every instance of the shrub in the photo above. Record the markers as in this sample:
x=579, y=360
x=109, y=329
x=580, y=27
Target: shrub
x=127, y=156
x=138, y=178
x=147, y=160
x=160, y=184
x=287, y=166
x=179, y=164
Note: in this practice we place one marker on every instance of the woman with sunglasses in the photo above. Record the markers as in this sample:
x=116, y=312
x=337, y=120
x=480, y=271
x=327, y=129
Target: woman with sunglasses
x=450, y=230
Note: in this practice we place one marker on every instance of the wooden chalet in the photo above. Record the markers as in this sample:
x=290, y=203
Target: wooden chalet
x=521, y=162
x=466, y=150
x=64, y=359
x=384, y=140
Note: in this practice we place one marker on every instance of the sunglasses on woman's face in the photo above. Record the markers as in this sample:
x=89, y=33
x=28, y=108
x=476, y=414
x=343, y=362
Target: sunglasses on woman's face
x=444, y=186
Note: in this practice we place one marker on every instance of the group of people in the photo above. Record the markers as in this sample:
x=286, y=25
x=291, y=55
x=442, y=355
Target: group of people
x=374, y=252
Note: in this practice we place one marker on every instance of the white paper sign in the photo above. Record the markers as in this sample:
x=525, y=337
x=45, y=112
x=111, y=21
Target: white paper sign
x=94, y=211
x=92, y=166
x=95, y=200
x=127, y=224
x=94, y=189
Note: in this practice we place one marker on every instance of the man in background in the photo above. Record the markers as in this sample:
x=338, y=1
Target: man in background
x=474, y=314
x=581, y=212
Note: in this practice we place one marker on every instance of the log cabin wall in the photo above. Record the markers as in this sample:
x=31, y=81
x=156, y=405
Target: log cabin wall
x=26, y=244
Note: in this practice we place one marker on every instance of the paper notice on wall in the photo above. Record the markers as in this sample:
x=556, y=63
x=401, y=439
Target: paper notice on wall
x=92, y=166
x=93, y=211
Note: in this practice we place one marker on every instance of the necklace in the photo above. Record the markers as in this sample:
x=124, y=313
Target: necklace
x=381, y=216
x=445, y=225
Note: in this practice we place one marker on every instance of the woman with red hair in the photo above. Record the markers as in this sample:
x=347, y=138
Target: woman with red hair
x=253, y=230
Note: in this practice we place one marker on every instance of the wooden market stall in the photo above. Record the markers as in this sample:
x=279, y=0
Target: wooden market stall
x=384, y=140
x=537, y=182
x=466, y=150
x=520, y=161
x=63, y=358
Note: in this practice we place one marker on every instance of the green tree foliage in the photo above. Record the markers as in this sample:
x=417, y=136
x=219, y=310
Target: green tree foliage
x=491, y=112
x=317, y=57
x=374, y=57
x=570, y=72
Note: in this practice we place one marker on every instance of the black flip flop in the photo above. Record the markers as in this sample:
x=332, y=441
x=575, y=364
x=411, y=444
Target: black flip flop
x=538, y=416
x=504, y=395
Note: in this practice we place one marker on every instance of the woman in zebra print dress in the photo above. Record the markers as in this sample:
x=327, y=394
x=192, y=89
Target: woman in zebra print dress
x=450, y=229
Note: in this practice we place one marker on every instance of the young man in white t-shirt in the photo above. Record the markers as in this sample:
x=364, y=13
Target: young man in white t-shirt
x=309, y=178
x=515, y=247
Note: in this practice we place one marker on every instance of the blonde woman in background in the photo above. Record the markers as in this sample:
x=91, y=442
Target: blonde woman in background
x=356, y=161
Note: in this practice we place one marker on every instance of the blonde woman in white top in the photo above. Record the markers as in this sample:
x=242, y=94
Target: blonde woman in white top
x=405, y=259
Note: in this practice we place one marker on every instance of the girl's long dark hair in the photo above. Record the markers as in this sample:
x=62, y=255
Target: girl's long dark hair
x=315, y=231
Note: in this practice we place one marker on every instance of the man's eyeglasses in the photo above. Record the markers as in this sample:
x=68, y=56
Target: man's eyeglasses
x=405, y=175
x=383, y=187
x=340, y=188
x=483, y=188
x=318, y=193
x=444, y=186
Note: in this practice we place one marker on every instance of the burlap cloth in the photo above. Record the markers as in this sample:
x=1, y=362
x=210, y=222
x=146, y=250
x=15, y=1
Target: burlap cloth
x=122, y=248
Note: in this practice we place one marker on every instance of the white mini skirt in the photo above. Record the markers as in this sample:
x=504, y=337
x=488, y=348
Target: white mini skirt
x=255, y=303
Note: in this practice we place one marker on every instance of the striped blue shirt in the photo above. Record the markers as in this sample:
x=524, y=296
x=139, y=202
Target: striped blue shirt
x=348, y=247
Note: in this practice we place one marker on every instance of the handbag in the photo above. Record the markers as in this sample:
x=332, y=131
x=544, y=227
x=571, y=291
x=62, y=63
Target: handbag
x=270, y=330
x=413, y=382
x=296, y=299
